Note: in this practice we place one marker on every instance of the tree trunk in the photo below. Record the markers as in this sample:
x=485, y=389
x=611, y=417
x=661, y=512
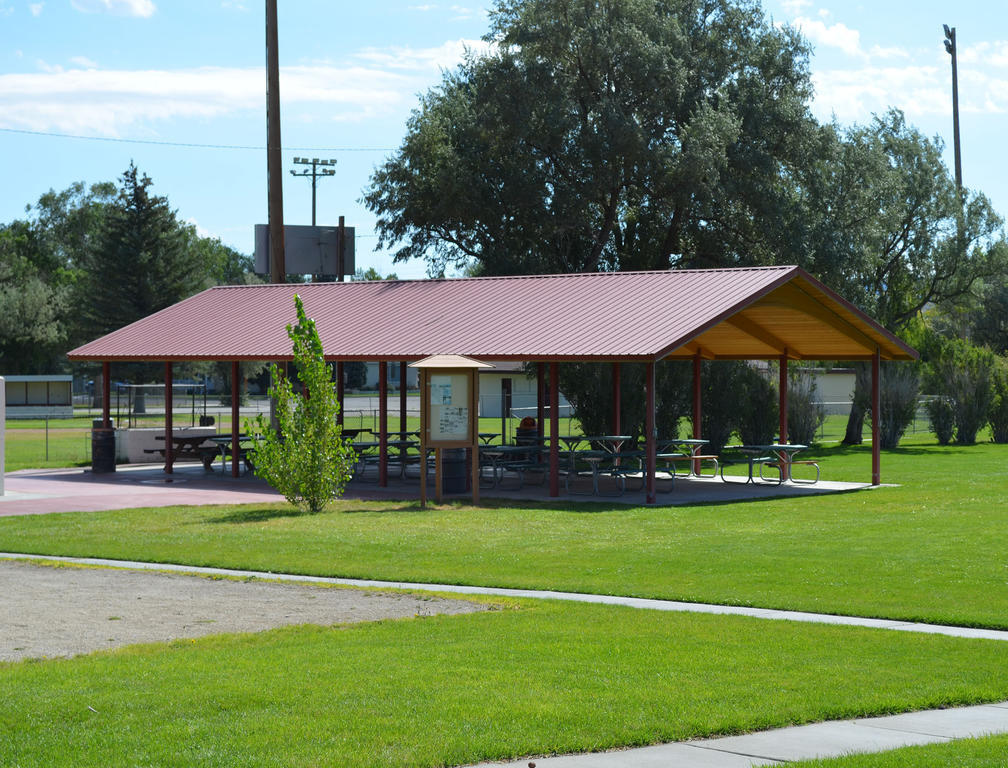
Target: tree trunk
x=859, y=405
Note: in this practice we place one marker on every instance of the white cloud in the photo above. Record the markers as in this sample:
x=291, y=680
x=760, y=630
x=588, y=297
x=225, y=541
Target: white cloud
x=143, y=8
x=35, y=8
x=423, y=8
x=795, y=6
x=107, y=102
x=837, y=35
x=83, y=61
x=445, y=56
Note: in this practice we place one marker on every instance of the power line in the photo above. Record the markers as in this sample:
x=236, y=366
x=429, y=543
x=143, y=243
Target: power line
x=190, y=144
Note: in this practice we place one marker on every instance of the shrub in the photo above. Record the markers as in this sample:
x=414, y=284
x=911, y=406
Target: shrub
x=898, y=390
x=805, y=414
x=998, y=415
x=759, y=409
x=307, y=459
x=941, y=413
x=964, y=375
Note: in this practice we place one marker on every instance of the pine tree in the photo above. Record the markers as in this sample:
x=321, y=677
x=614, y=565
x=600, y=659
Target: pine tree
x=140, y=263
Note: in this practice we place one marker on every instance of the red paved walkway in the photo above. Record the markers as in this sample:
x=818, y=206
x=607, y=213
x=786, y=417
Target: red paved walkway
x=41, y=491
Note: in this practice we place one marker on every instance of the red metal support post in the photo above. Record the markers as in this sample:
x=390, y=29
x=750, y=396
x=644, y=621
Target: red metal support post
x=339, y=391
x=876, y=404
x=235, y=439
x=697, y=407
x=402, y=396
x=383, y=424
x=616, y=399
x=651, y=432
x=541, y=398
x=169, y=446
x=782, y=388
x=554, y=429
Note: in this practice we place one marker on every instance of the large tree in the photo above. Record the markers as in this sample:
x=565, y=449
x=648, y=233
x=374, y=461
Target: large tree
x=885, y=225
x=603, y=136
x=139, y=263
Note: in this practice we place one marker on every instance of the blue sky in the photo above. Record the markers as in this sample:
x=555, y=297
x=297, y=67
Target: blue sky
x=188, y=72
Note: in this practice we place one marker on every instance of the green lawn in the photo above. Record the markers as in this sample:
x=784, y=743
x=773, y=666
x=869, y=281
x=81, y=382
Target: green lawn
x=541, y=677
x=531, y=678
x=930, y=550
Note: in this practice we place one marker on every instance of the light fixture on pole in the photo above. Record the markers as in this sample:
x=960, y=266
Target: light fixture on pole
x=950, y=48
x=318, y=168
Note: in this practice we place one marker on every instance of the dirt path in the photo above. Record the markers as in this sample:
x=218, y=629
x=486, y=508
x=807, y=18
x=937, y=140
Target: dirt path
x=46, y=611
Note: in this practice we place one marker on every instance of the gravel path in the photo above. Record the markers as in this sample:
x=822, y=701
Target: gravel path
x=46, y=611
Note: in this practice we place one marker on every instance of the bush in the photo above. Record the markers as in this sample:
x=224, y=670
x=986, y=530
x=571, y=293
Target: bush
x=898, y=390
x=805, y=414
x=963, y=375
x=723, y=401
x=998, y=415
x=307, y=460
x=759, y=409
x=941, y=413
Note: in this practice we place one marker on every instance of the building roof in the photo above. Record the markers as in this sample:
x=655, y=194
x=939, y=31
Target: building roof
x=747, y=313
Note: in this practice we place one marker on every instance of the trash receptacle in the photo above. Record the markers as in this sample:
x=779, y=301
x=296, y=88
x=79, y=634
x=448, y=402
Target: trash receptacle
x=454, y=470
x=103, y=450
x=528, y=436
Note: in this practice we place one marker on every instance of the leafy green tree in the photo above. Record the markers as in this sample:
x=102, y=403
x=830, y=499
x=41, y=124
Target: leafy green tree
x=625, y=135
x=884, y=227
x=307, y=459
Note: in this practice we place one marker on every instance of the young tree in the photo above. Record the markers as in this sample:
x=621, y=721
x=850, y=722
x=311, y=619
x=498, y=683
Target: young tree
x=307, y=459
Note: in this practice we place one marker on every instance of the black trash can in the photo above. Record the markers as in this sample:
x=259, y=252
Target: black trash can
x=529, y=437
x=103, y=450
x=454, y=470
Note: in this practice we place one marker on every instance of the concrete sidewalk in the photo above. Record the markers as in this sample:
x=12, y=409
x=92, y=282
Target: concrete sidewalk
x=804, y=742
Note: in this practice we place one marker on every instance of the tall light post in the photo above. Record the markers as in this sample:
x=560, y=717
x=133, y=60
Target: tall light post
x=950, y=47
x=318, y=168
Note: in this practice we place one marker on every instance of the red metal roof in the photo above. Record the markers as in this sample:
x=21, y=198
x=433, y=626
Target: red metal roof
x=591, y=316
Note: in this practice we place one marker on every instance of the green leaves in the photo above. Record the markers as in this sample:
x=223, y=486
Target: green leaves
x=306, y=459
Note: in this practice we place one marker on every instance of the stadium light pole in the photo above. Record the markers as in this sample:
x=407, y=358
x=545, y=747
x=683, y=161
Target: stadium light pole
x=950, y=48
x=318, y=168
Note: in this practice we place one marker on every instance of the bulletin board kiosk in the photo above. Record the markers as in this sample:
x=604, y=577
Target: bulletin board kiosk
x=449, y=414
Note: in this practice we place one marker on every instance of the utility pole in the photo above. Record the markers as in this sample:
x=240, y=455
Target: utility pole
x=950, y=48
x=314, y=173
x=274, y=162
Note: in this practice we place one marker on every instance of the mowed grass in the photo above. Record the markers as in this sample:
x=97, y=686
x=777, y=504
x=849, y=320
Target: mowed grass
x=987, y=752
x=930, y=550
x=530, y=678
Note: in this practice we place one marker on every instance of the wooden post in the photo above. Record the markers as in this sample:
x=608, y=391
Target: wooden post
x=235, y=440
x=474, y=467
x=383, y=424
x=616, y=399
x=876, y=404
x=651, y=431
x=169, y=453
x=554, y=429
x=424, y=434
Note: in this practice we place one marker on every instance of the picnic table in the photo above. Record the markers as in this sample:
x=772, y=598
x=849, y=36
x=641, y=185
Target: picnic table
x=779, y=456
x=224, y=445
x=514, y=458
x=672, y=450
x=188, y=446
